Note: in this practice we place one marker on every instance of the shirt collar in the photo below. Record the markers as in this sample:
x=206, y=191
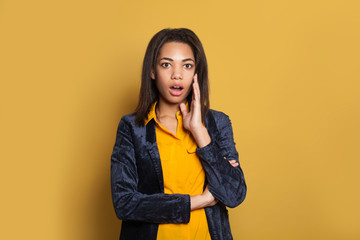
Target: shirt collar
x=152, y=113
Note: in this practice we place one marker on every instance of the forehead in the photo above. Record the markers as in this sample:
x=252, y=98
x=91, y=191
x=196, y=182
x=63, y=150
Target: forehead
x=179, y=49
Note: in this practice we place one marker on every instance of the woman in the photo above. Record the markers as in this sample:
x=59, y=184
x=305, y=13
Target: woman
x=174, y=167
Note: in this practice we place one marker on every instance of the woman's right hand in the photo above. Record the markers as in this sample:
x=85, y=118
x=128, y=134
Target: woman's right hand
x=209, y=198
x=206, y=199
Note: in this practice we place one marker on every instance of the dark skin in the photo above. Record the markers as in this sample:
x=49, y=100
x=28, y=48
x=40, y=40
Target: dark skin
x=175, y=78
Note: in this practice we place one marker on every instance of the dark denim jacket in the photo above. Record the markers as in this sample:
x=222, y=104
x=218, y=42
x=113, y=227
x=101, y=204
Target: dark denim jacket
x=138, y=188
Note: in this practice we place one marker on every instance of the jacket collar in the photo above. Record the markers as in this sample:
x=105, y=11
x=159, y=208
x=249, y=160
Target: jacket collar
x=152, y=149
x=152, y=114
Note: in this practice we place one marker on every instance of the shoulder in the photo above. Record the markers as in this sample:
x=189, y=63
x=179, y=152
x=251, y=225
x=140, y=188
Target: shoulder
x=128, y=118
x=217, y=120
x=128, y=127
x=127, y=122
x=218, y=117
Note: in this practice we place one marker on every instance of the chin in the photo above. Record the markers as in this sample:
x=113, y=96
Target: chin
x=175, y=100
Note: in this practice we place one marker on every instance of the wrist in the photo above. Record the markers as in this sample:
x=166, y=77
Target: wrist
x=196, y=202
x=200, y=201
x=201, y=136
x=197, y=128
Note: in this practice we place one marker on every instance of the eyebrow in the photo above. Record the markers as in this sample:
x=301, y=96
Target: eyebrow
x=171, y=60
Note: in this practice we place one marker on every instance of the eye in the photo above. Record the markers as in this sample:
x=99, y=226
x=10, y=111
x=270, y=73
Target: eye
x=188, y=65
x=165, y=64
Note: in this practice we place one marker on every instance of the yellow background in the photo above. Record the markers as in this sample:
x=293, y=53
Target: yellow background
x=287, y=73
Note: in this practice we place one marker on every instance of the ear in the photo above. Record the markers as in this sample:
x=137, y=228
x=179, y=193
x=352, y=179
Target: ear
x=152, y=74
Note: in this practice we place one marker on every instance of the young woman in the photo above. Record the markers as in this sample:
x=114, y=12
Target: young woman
x=174, y=167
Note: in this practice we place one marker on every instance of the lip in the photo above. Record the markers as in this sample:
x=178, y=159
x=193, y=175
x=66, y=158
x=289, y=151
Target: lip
x=175, y=91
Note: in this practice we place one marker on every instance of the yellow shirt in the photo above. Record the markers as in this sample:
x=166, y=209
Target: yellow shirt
x=183, y=174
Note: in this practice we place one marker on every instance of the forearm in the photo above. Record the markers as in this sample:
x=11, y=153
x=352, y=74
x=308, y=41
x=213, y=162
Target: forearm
x=201, y=136
x=225, y=179
x=130, y=201
x=206, y=199
x=155, y=208
x=197, y=202
x=226, y=182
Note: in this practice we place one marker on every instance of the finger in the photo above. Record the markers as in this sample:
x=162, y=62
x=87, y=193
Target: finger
x=214, y=202
x=193, y=106
x=196, y=97
x=233, y=163
x=196, y=88
x=194, y=91
x=183, y=109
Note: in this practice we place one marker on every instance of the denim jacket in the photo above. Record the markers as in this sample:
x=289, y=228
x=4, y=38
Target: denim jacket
x=138, y=188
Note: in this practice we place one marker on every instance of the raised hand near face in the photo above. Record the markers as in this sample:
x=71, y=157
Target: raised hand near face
x=192, y=120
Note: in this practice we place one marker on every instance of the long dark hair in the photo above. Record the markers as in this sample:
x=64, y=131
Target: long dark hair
x=148, y=91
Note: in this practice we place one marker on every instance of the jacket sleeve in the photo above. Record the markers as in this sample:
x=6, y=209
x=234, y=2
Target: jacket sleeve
x=129, y=203
x=225, y=182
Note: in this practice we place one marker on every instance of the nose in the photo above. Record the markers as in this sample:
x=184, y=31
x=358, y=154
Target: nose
x=177, y=74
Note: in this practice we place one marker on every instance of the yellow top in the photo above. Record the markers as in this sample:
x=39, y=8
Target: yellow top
x=183, y=174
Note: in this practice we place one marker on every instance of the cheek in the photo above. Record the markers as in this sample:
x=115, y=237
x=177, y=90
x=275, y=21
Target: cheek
x=190, y=79
x=160, y=84
x=162, y=75
x=189, y=91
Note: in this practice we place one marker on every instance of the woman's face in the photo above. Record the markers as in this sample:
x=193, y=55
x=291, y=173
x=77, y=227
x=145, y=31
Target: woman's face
x=175, y=69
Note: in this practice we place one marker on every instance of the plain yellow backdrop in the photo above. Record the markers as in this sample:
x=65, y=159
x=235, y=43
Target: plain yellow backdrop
x=286, y=72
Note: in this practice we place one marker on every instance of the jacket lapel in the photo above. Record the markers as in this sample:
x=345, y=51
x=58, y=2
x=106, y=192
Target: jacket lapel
x=153, y=151
x=152, y=148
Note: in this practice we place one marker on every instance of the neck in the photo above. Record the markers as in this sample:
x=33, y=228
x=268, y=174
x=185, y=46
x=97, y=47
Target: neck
x=167, y=109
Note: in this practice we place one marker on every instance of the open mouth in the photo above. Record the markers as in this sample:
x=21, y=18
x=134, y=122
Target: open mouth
x=176, y=90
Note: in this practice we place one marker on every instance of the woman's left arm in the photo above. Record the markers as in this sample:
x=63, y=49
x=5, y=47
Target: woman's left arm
x=225, y=179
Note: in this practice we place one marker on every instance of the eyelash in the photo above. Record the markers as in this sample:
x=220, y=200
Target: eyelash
x=187, y=65
x=163, y=64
